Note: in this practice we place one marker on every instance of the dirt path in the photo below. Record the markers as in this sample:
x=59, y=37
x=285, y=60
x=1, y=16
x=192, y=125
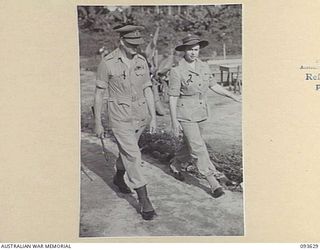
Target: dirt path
x=183, y=208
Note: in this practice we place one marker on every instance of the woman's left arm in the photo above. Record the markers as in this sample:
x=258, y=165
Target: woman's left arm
x=217, y=88
x=222, y=91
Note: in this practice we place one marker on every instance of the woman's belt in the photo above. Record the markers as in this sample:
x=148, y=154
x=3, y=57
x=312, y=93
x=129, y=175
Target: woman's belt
x=197, y=96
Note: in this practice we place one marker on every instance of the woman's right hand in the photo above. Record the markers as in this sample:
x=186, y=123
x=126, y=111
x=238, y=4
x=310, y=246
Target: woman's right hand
x=99, y=130
x=176, y=127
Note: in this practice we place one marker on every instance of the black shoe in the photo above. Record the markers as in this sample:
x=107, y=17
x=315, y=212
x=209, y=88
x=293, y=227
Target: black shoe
x=176, y=174
x=218, y=192
x=223, y=180
x=122, y=186
x=148, y=215
x=145, y=204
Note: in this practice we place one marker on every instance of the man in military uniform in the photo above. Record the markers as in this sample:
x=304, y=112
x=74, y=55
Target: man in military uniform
x=125, y=76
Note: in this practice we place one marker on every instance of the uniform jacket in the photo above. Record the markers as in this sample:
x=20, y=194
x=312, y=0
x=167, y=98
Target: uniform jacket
x=191, y=86
x=124, y=85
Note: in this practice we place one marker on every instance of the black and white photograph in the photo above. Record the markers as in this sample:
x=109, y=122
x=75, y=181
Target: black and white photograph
x=161, y=120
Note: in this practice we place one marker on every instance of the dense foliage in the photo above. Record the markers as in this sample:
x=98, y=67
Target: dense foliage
x=217, y=23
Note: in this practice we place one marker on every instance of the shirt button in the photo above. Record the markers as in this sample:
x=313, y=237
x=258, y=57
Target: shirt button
x=200, y=102
x=200, y=84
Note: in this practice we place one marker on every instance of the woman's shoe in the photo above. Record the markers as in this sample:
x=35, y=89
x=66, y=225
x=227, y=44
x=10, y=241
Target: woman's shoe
x=218, y=192
x=176, y=173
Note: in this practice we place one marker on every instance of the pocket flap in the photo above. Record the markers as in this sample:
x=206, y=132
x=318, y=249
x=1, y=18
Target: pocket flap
x=121, y=101
x=124, y=101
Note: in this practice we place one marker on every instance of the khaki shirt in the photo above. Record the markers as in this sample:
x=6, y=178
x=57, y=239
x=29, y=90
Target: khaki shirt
x=191, y=86
x=124, y=85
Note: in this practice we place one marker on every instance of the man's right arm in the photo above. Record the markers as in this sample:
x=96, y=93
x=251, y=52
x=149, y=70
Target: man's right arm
x=98, y=101
x=101, y=86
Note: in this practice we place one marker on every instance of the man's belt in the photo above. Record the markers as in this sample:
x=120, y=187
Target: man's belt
x=125, y=99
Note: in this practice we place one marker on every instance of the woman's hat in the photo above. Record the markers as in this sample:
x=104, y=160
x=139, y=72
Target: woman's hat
x=191, y=40
x=130, y=33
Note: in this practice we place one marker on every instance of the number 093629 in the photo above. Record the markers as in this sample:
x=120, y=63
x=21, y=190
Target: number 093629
x=308, y=246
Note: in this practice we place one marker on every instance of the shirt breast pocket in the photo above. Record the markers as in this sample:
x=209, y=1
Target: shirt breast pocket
x=139, y=70
x=189, y=84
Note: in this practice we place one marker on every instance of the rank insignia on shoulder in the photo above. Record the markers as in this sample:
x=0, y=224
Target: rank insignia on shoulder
x=141, y=57
x=108, y=57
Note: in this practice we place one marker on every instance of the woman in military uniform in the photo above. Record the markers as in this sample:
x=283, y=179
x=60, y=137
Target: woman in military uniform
x=189, y=82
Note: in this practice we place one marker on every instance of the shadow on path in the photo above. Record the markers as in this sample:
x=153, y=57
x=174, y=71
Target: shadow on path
x=93, y=158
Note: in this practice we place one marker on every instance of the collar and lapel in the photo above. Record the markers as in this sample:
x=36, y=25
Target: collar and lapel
x=185, y=65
